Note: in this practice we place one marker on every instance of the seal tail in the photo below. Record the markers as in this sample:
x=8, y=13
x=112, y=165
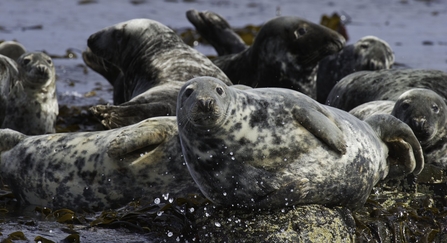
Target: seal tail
x=9, y=138
x=405, y=154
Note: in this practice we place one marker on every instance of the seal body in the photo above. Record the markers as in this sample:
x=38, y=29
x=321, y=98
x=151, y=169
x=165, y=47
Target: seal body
x=148, y=54
x=29, y=94
x=285, y=53
x=368, y=53
x=425, y=112
x=96, y=170
x=270, y=148
x=387, y=84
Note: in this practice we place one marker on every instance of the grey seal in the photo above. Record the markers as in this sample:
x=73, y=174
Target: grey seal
x=154, y=62
x=425, y=112
x=386, y=84
x=12, y=49
x=273, y=147
x=28, y=94
x=96, y=170
x=368, y=53
x=285, y=52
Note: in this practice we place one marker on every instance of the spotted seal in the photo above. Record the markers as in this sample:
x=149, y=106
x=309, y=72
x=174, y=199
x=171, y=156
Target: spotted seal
x=368, y=53
x=12, y=49
x=273, y=147
x=96, y=170
x=285, y=52
x=386, y=84
x=426, y=114
x=28, y=90
x=150, y=55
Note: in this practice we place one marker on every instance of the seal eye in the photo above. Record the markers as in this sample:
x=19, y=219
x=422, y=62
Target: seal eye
x=405, y=105
x=188, y=92
x=49, y=61
x=26, y=61
x=435, y=108
x=219, y=90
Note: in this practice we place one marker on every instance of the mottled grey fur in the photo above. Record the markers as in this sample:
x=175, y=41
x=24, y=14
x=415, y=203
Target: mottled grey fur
x=28, y=94
x=426, y=114
x=387, y=84
x=368, y=53
x=285, y=52
x=269, y=148
x=96, y=170
x=149, y=54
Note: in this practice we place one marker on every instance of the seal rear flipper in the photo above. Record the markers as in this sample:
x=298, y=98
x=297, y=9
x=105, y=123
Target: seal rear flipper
x=216, y=30
x=321, y=127
x=10, y=138
x=148, y=133
x=114, y=116
x=404, y=151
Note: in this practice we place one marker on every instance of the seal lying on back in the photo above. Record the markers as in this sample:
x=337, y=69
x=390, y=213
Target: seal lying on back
x=28, y=94
x=154, y=62
x=368, y=53
x=96, y=170
x=425, y=112
x=285, y=52
x=269, y=148
x=387, y=84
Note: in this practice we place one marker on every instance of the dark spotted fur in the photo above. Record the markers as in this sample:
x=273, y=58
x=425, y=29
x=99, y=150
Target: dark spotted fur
x=270, y=148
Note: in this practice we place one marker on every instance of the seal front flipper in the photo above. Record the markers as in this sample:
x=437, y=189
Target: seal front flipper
x=405, y=153
x=150, y=132
x=321, y=127
x=9, y=138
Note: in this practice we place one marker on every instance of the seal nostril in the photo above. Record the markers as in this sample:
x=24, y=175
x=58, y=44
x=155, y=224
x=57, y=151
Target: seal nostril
x=418, y=123
x=206, y=105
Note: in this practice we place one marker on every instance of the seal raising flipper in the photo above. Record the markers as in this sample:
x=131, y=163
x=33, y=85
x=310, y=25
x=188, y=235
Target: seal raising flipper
x=262, y=148
x=321, y=127
x=96, y=170
x=216, y=30
x=148, y=133
x=149, y=55
x=405, y=153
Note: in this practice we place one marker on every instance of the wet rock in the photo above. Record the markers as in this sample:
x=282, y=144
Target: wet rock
x=309, y=223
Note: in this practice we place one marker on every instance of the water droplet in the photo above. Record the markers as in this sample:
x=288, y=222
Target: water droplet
x=170, y=234
x=159, y=213
x=232, y=158
x=191, y=210
x=166, y=196
x=141, y=155
x=225, y=194
x=211, y=155
x=157, y=200
x=231, y=153
x=207, y=214
x=171, y=200
x=217, y=224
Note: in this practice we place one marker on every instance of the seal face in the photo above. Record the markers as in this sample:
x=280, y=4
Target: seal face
x=368, y=53
x=424, y=111
x=31, y=105
x=149, y=55
x=96, y=170
x=387, y=84
x=285, y=53
x=269, y=148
